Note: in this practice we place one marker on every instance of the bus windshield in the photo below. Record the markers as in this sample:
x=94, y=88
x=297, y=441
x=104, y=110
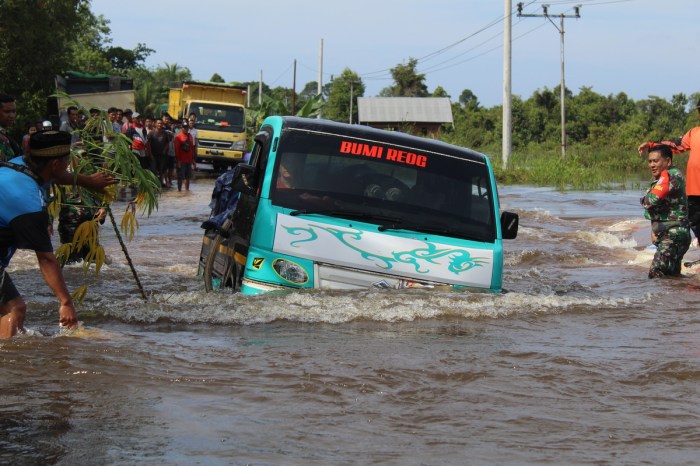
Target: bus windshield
x=395, y=187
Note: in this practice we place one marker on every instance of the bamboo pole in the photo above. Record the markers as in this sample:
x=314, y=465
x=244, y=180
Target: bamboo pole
x=126, y=253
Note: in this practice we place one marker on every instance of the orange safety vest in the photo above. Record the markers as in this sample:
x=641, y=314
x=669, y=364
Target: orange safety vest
x=689, y=142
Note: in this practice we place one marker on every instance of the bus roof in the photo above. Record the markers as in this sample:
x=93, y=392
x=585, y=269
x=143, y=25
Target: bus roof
x=369, y=133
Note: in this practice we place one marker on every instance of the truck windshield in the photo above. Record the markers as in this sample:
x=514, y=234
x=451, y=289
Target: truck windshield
x=218, y=117
x=395, y=187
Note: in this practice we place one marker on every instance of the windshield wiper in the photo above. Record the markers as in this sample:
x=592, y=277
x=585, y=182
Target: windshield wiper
x=437, y=229
x=346, y=213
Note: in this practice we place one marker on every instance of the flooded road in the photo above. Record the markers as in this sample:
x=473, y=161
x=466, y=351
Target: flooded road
x=582, y=360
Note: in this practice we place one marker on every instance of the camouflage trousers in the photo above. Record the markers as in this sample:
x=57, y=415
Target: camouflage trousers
x=671, y=246
x=73, y=212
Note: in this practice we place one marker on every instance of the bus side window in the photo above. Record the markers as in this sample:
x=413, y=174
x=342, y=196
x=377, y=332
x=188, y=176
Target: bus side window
x=480, y=200
x=259, y=156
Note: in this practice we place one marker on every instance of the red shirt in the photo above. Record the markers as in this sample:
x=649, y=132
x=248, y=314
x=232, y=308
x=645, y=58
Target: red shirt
x=181, y=155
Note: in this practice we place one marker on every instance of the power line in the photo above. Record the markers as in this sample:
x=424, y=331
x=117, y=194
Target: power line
x=560, y=28
x=482, y=53
x=446, y=48
x=385, y=74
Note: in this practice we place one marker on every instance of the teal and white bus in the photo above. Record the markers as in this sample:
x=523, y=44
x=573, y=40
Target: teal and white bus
x=326, y=205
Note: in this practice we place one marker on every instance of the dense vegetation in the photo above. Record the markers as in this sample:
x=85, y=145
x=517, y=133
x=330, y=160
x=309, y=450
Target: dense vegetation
x=602, y=131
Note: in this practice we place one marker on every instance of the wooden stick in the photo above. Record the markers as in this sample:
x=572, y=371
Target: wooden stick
x=126, y=253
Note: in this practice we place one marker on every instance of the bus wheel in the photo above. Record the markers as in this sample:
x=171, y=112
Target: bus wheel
x=220, y=269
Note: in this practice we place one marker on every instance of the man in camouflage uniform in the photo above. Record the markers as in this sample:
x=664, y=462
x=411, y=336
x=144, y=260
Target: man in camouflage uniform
x=77, y=206
x=666, y=205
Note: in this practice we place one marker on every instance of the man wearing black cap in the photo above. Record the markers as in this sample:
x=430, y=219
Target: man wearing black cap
x=24, y=224
x=690, y=141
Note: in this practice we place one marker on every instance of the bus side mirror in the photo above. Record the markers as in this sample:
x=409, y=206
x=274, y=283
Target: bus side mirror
x=243, y=179
x=509, y=225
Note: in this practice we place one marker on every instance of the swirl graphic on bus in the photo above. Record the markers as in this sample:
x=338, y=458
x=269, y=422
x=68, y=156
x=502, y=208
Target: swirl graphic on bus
x=460, y=260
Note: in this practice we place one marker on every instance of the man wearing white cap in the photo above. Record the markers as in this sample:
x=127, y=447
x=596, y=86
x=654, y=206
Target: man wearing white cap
x=139, y=137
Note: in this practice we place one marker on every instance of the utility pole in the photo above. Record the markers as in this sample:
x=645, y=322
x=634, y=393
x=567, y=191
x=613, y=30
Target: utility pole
x=294, y=88
x=351, y=83
x=320, y=72
x=560, y=28
x=320, y=68
x=507, y=98
x=260, y=83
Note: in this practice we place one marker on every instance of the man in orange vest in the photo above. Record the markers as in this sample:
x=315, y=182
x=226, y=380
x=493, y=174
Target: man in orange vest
x=690, y=141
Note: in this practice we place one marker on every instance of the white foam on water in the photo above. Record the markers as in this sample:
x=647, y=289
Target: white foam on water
x=88, y=333
x=606, y=240
x=340, y=306
x=643, y=257
x=629, y=225
x=540, y=214
x=27, y=332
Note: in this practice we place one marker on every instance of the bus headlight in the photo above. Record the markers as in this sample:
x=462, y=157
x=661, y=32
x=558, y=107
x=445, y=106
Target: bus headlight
x=291, y=272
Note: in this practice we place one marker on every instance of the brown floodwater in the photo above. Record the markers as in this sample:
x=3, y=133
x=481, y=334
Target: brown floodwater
x=582, y=360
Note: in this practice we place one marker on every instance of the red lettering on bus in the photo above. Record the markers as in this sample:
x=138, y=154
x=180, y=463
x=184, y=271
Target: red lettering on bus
x=354, y=148
x=372, y=151
x=392, y=155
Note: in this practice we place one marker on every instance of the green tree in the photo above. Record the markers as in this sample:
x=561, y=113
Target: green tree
x=469, y=100
x=473, y=128
x=216, y=78
x=309, y=91
x=345, y=88
x=408, y=83
x=123, y=60
x=254, y=87
x=440, y=92
x=311, y=109
x=283, y=95
x=37, y=39
x=87, y=52
x=153, y=86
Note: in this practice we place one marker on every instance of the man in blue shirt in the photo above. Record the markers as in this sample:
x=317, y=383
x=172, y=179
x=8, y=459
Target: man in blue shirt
x=24, y=223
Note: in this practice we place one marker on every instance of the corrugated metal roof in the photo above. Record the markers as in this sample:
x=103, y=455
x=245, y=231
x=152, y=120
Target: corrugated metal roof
x=404, y=109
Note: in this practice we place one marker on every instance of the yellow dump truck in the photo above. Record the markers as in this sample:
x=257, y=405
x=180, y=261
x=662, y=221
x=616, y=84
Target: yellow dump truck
x=221, y=123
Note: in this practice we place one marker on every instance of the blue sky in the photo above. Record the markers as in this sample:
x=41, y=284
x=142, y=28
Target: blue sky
x=640, y=47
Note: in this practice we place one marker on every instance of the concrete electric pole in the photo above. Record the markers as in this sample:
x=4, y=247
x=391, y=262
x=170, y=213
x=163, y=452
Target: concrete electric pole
x=560, y=28
x=507, y=141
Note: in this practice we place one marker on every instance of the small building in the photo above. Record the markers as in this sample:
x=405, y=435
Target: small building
x=421, y=116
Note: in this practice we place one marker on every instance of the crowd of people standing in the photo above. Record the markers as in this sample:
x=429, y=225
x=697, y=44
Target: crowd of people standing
x=164, y=145
x=154, y=141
